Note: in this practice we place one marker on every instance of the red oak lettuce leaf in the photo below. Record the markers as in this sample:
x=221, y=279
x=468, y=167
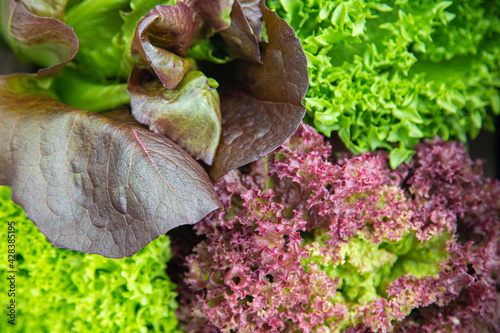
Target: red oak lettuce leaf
x=44, y=41
x=239, y=25
x=162, y=38
x=92, y=183
x=261, y=104
x=189, y=114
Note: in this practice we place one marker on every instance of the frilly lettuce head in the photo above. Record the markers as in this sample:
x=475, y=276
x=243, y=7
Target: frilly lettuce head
x=387, y=74
x=64, y=291
x=307, y=245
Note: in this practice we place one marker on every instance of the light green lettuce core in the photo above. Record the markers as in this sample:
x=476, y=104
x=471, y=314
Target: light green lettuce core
x=64, y=291
x=364, y=269
x=386, y=74
x=74, y=89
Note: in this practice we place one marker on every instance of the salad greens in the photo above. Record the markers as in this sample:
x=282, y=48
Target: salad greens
x=60, y=291
x=95, y=183
x=104, y=183
x=308, y=243
x=146, y=114
x=44, y=41
x=387, y=74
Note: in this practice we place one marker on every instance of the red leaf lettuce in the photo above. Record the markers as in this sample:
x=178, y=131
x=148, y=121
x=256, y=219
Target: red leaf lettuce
x=258, y=91
x=310, y=244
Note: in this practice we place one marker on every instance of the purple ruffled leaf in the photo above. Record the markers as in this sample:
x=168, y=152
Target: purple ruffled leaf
x=249, y=272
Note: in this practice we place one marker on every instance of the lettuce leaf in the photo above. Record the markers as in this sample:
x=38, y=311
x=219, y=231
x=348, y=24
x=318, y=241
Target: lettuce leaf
x=241, y=41
x=310, y=243
x=189, y=114
x=61, y=291
x=51, y=8
x=260, y=98
x=162, y=39
x=45, y=41
x=92, y=183
x=261, y=104
x=214, y=15
x=75, y=89
x=97, y=24
x=412, y=70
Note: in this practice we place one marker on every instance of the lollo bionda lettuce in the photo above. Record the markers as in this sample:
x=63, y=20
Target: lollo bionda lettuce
x=388, y=74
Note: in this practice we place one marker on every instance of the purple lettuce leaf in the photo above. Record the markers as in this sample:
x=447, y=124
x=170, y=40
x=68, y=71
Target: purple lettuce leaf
x=45, y=41
x=189, y=114
x=92, y=183
x=261, y=104
x=252, y=11
x=162, y=39
x=213, y=15
x=240, y=39
x=260, y=93
x=238, y=22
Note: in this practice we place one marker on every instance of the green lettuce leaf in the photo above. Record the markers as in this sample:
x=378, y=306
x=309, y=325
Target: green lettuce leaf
x=75, y=89
x=63, y=291
x=47, y=8
x=189, y=114
x=412, y=70
x=97, y=25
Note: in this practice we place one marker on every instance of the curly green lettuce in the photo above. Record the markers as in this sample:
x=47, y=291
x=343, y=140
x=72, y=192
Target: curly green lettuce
x=387, y=74
x=64, y=291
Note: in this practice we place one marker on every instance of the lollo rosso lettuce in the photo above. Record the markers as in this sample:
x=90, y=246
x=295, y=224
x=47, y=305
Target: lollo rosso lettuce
x=111, y=183
x=307, y=243
x=387, y=74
